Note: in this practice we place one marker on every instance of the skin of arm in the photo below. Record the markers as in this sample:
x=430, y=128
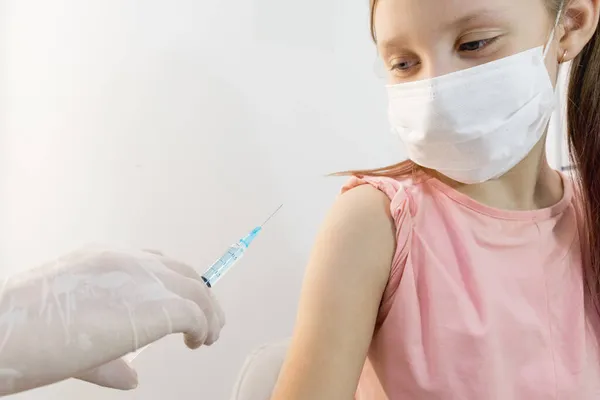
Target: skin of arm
x=344, y=282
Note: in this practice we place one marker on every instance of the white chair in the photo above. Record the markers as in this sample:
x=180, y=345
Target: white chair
x=261, y=370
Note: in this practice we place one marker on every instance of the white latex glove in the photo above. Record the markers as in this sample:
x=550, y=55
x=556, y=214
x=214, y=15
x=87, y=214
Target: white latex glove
x=77, y=316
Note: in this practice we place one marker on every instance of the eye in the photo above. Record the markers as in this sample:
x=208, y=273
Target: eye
x=403, y=65
x=476, y=45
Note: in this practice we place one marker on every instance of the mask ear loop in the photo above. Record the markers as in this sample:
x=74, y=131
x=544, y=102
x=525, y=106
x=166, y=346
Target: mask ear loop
x=559, y=113
x=558, y=16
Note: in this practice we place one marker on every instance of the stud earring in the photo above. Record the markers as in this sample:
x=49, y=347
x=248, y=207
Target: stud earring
x=562, y=59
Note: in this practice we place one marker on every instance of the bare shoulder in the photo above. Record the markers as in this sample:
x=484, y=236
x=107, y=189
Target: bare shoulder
x=359, y=214
x=359, y=227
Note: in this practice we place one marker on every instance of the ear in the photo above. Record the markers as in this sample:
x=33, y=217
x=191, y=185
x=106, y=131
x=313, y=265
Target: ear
x=579, y=23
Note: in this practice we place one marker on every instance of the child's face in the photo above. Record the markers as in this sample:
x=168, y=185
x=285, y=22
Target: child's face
x=420, y=39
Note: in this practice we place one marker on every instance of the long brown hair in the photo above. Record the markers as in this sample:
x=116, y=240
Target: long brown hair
x=583, y=130
x=583, y=127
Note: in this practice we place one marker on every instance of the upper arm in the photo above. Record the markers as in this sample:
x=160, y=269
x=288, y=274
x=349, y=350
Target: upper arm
x=345, y=279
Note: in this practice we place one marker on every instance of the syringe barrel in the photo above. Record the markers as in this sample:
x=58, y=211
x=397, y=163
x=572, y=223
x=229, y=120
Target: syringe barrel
x=224, y=263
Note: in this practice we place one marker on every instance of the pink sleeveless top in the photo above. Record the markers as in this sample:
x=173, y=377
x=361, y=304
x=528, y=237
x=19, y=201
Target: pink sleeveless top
x=482, y=303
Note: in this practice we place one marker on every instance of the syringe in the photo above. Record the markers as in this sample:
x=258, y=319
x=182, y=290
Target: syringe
x=223, y=264
x=233, y=254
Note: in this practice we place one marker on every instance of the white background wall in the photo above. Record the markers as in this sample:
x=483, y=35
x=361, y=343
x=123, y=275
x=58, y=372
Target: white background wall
x=179, y=125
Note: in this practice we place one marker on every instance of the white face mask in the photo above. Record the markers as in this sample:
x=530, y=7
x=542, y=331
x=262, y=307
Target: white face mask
x=476, y=124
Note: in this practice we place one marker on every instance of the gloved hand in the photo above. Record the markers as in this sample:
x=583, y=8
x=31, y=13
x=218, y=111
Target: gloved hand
x=77, y=316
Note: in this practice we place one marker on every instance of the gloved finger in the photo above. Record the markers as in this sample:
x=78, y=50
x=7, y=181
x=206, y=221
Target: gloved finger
x=203, y=297
x=177, y=315
x=217, y=307
x=197, y=330
x=196, y=292
x=117, y=374
x=217, y=322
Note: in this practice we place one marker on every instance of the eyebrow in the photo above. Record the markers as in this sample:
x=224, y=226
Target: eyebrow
x=486, y=15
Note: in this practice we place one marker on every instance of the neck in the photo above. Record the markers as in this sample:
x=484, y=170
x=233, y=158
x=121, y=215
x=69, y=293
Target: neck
x=530, y=185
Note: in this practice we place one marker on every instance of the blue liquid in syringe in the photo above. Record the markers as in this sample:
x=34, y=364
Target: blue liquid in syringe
x=228, y=260
x=232, y=255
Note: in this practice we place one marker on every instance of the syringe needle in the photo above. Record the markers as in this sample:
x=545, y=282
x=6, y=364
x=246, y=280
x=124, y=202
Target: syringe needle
x=271, y=216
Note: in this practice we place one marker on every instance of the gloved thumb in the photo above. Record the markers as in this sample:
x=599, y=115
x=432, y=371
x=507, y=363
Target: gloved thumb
x=117, y=374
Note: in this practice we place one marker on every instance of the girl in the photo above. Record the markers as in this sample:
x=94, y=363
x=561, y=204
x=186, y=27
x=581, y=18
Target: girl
x=473, y=270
